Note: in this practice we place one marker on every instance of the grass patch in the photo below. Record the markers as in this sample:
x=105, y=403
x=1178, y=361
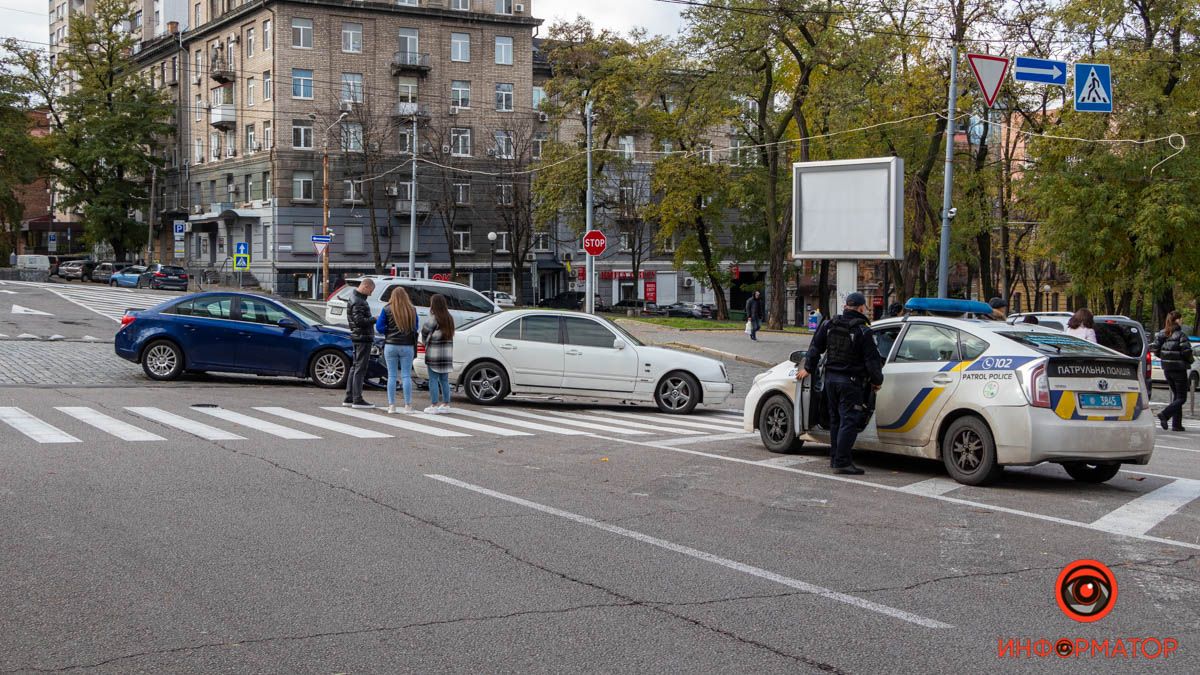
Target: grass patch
x=686, y=323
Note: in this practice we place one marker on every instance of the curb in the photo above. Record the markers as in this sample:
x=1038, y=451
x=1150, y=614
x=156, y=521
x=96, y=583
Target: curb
x=717, y=353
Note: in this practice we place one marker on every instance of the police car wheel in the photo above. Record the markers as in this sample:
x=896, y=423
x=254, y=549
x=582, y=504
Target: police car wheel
x=776, y=427
x=1085, y=472
x=969, y=452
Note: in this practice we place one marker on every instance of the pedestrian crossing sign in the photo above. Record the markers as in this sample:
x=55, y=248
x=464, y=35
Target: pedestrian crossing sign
x=241, y=261
x=1093, y=87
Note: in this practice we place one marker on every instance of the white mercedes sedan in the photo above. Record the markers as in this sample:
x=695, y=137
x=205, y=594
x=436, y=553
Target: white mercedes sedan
x=573, y=354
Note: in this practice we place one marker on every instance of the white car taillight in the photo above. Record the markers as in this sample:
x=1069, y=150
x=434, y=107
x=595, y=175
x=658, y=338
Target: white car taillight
x=1039, y=387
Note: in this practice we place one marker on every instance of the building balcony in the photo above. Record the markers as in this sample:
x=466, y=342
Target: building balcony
x=223, y=116
x=406, y=109
x=403, y=206
x=410, y=62
x=222, y=71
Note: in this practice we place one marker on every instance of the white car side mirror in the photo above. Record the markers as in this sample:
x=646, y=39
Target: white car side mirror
x=618, y=344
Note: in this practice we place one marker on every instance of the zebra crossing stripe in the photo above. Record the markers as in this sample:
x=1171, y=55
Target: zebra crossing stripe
x=264, y=426
x=691, y=420
x=109, y=425
x=606, y=428
x=633, y=425
x=34, y=427
x=520, y=423
x=1144, y=513
x=322, y=423
x=453, y=421
x=184, y=424
x=399, y=422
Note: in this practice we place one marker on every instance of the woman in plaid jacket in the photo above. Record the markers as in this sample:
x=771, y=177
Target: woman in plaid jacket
x=438, y=336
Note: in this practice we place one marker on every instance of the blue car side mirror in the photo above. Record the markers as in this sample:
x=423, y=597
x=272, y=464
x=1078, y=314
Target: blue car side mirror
x=287, y=324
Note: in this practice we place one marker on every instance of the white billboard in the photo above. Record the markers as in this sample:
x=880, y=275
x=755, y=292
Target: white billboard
x=848, y=209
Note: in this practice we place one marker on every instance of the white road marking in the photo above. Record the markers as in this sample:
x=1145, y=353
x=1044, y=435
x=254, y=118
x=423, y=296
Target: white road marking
x=398, y=421
x=257, y=424
x=109, y=425
x=751, y=570
x=184, y=424
x=939, y=485
x=322, y=423
x=739, y=436
x=608, y=428
x=34, y=427
x=880, y=486
x=27, y=336
x=519, y=423
x=787, y=461
x=1173, y=447
x=657, y=428
x=691, y=420
x=454, y=420
x=6, y=292
x=1144, y=513
x=18, y=309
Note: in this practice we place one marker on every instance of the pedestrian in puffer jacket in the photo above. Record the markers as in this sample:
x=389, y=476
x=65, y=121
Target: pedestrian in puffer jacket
x=362, y=334
x=1174, y=351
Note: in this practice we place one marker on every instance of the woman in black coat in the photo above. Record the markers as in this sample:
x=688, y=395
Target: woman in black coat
x=1175, y=353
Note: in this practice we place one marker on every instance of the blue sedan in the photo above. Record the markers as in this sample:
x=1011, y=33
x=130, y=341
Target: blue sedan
x=237, y=333
x=127, y=277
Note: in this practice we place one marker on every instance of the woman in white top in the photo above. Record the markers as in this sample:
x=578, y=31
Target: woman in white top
x=1082, y=325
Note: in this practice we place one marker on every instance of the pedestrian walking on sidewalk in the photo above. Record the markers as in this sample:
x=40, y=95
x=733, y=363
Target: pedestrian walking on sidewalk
x=1174, y=350
x=851, y=365
x=399, y=325
x=754, y=314
x=438, y=336
x=362, y=334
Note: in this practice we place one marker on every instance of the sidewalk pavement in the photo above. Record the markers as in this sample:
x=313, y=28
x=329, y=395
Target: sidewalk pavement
x=771, y=348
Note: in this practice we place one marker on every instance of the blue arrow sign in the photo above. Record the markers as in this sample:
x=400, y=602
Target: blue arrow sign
x=1093, y=87
x=242, y=248
x=1046, y=71
x=322, y=238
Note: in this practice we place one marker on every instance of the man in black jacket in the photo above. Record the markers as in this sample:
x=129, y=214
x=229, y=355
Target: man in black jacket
x=754, y=314
x=362, y=334
x=853, y=361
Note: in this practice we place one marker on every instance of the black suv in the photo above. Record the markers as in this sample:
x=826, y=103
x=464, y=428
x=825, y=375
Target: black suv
x=569, y=300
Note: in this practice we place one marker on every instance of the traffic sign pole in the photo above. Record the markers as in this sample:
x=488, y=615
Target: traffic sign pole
x=589, y=281
x=948, y=185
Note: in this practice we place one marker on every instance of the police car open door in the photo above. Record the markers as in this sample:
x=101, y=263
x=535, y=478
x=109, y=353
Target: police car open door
x=919, y=378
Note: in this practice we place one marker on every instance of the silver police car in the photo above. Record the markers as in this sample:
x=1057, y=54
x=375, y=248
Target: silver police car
x=978, y=395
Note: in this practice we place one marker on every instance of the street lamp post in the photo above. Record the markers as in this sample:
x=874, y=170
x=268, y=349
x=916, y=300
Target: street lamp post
x=492, y=265
x=325, y=204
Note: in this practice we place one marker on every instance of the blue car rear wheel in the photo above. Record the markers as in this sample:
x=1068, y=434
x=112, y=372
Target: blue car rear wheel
x=162, y=360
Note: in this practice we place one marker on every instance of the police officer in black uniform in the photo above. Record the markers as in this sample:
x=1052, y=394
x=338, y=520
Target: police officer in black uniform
x=852, y=364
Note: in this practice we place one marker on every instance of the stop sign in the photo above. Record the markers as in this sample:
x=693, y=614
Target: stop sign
x=594, y=242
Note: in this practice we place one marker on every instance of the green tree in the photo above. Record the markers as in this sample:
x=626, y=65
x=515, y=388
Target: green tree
x=106, y=122
x=21, y=160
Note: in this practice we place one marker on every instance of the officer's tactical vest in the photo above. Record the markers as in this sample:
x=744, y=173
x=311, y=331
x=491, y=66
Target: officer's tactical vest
x=840, y=337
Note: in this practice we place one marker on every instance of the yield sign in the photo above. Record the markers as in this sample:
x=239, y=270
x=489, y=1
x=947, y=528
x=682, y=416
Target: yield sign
x=989, y=73
x=320, y=246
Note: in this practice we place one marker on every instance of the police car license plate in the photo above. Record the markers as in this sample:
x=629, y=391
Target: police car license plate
x=1101, y=401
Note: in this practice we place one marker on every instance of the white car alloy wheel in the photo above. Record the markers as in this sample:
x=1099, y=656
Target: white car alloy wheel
x=677, y=393
x=329, y=370
x=486, y=383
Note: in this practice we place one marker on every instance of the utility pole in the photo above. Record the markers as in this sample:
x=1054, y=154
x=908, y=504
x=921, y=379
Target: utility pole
x=149, y=218
x=589, y=285
x=412, y=203
x=325, y=204
x=948, y=185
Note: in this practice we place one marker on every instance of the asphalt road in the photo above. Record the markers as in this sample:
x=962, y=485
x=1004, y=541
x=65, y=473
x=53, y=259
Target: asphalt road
x=225, y=526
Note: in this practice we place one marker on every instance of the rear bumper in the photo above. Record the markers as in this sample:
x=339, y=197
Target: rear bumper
x=1026, y=435
x=124, y=347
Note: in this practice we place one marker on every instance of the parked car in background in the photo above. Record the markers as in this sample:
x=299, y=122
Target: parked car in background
x=464, y=302
x=71, y=270
x=104, y=271
x=1118, y=333
x=164, y=277
x=239, y=333
x=641, y=306
x=500, y=298
x=38, y=263
x=529, y=351
x=687, y=309
x=571, y=300
x=127, y=277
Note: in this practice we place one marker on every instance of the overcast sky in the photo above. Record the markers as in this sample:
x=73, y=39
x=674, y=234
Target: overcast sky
x=27, y=19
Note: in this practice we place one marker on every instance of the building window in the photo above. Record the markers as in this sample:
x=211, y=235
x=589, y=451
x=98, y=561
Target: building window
x=354, y=238
x=198, y=150
x=266, y=85
x=504, y=145
x=539, y=95
x=250, y=86
x=350, y=191
x=504, y=6
x=462, y=241
x=501, y=242
x=539, y=143
x=625, y=144
x=460, y=142
x=197, y=16
x=410, y=46
x=302, y=134
x=222, y=95
x=461, y=5
x=302, y=83
x=462, y=192
x=504, y=51
x=302, y=33
x=504, y=97
x=541, y=241
x=504, y=194
x=735, y=151
x=460, y=47
x=403, y=137
x=248, y=187
x=214, y=145
x=268, y=190
x=624, y=241
x=267, y=140
x=407, y=90
x=460, y=94
x=668, y=147
x=249, y=42
x=199, y=108
x=352, y=137
x=409, y=3
x=251, y=144
x=266, y=35
x=302, y=186
x=199, y=61
x=352, y=88
x=302, y=238
x=352, y=38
